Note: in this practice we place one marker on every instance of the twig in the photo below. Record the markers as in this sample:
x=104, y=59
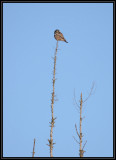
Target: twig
x=89, y=93
x=76, y=140
x=77, y=131
x=84, y=145
x=75, y=102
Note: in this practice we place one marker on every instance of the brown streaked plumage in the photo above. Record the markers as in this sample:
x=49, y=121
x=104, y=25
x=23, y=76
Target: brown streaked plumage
x=59, y=36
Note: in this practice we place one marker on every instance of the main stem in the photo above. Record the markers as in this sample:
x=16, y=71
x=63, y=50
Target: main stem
x=52, y=105
x=81, y=151
x=33, y=148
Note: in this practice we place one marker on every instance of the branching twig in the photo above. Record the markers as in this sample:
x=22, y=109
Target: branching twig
x=52, y=105
x=80, y=135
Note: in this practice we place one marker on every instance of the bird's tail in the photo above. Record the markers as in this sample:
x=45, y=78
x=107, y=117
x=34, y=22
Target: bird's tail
x=65, y=40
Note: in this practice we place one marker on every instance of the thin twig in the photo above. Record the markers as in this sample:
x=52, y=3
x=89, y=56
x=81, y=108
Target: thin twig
x=90, y=92
x=76, y=140
x=84, y=145
x=75, y=102
x=77, y=131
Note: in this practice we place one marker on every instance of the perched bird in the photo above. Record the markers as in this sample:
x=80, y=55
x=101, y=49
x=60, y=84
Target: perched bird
x=59, y=36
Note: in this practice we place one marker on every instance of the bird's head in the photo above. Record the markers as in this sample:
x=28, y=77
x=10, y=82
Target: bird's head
x=56, y=31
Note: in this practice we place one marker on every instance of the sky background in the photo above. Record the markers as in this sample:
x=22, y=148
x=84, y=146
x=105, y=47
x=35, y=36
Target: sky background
x=28, y=48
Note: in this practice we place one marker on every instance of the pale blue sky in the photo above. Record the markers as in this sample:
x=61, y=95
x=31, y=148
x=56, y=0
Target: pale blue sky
x=28, y=48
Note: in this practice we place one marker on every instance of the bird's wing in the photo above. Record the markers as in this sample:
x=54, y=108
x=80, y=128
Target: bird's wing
x=60, y=35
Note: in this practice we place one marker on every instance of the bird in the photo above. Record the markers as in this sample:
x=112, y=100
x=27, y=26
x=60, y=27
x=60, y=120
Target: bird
x=59, y=36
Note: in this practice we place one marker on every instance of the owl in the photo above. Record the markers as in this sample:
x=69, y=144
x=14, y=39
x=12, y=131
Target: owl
x=59, y=36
